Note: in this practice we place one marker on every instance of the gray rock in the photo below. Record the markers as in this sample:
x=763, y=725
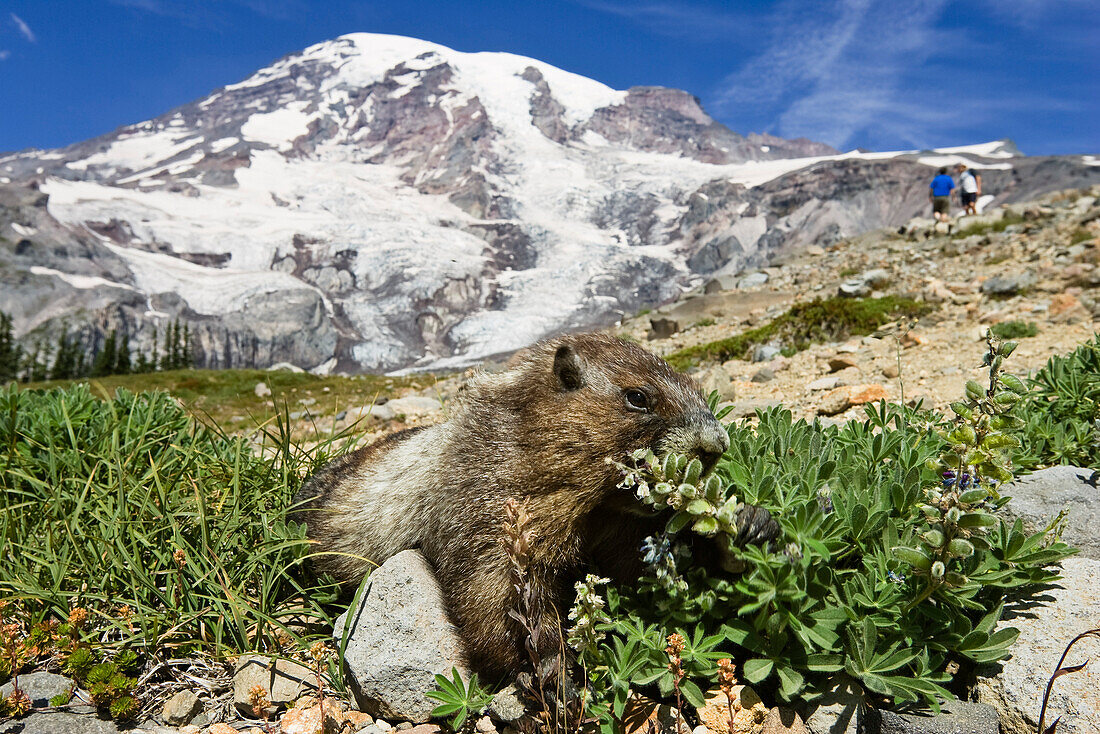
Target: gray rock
x=765, y=353
x=716, y=378
x=764, y=374
x=823, y=383
x=1038, y=497
x=39, y=687
x=507, y=705
x=837, y=712
x=662, y=328
x=202, y=720
x=854, y=288
x=752, y=279
x=1008, y=285
x=955, y=717
x=58, y=723
x=181, y=708
x=400, y=637
x=284, y=681
x=1015, y=688
x=262, y=390
x=413, y=405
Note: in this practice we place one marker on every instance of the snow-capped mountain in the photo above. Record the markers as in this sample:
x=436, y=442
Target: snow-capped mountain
x=378, y=202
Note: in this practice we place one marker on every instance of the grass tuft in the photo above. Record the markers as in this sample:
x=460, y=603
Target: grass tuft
x=170, y=533
x=805, y=324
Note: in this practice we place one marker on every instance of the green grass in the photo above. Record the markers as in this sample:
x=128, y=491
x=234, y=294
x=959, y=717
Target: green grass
x=1014, y=329
x=804, y=324
x=229, y=399
x=1080, y=235
x=1000, y=225
x=130, y=502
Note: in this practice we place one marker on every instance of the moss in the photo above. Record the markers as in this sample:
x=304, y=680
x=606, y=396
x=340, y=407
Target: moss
x=1080, y=235
x=1014, y=330
x=805, y=324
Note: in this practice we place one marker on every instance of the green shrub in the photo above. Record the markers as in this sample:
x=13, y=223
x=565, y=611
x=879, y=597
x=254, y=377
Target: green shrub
x=891, y=567
x=169, y=533
x=1014, y=329
x=1062, y=412
x=804, y=324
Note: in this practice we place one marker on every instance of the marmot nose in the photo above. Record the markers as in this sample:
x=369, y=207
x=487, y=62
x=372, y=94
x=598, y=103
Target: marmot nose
x=711, y=441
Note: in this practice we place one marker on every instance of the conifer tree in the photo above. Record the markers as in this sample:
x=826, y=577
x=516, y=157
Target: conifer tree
x=188, y=359
x=11, y=354
x=104, y=362
x=66, y=362
x=37, y=363
x=123, y=364
x=153, y=363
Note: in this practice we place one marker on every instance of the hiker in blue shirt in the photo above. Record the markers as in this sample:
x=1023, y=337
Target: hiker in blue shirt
x=939, y=193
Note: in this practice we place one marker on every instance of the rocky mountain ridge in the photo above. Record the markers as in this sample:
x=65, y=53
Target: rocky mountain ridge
x=382, y=203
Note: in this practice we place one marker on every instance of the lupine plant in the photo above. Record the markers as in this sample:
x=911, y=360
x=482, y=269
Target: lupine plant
x=892, y=569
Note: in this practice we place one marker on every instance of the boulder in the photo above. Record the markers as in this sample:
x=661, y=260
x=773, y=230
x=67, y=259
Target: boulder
x=262, y=390
x=1015, y=687
x=783, y=721
x=837, y=712
x=749, y=712
x=507, y=705
x=282, y=681
x=752, y=280
x=854, y=288
x=823, y=383
x=765, y=353
x=181, y=708
x=399, y=637
x=1038, y=497
x=716, y=378
x=764, y=374
x=841, y=398
x=1009, y=285
x=39, y=687
x=836, y=364
x=662, y=328
x=955, y=717
x=410, y=406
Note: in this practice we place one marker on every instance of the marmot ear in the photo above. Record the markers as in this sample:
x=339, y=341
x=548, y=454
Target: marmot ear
x=567, y=369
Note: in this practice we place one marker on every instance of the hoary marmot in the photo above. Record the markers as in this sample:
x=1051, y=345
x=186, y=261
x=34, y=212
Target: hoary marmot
x=540, y=431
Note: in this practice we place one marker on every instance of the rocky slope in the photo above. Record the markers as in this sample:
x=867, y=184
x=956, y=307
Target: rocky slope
x=376, y=202
x=1043, y=269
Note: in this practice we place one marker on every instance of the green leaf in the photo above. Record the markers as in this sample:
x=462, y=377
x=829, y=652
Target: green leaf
x=790, y=682
x=757, y=669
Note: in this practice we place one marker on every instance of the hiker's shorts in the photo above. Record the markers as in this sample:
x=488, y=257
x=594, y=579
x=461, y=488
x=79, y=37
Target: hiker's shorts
x=941, y=204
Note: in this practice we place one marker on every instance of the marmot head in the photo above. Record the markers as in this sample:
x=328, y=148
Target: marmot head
x=592, y=397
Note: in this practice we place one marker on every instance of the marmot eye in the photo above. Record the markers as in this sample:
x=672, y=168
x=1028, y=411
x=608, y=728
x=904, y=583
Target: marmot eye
x=636, y=400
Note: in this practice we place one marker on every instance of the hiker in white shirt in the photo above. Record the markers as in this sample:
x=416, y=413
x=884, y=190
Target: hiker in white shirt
x=970, y=188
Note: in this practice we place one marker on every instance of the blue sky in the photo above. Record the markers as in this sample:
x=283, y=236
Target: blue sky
x=876, y=74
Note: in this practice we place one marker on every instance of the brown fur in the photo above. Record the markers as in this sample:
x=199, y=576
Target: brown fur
x=541, y=431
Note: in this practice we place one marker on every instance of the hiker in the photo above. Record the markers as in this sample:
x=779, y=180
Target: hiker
x=939, y=193
x=970, y=186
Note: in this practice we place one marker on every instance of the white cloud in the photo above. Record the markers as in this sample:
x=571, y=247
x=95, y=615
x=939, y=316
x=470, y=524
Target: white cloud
x=675, y=18
x=23, y=28
x=833, y=71
x=4, y=54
